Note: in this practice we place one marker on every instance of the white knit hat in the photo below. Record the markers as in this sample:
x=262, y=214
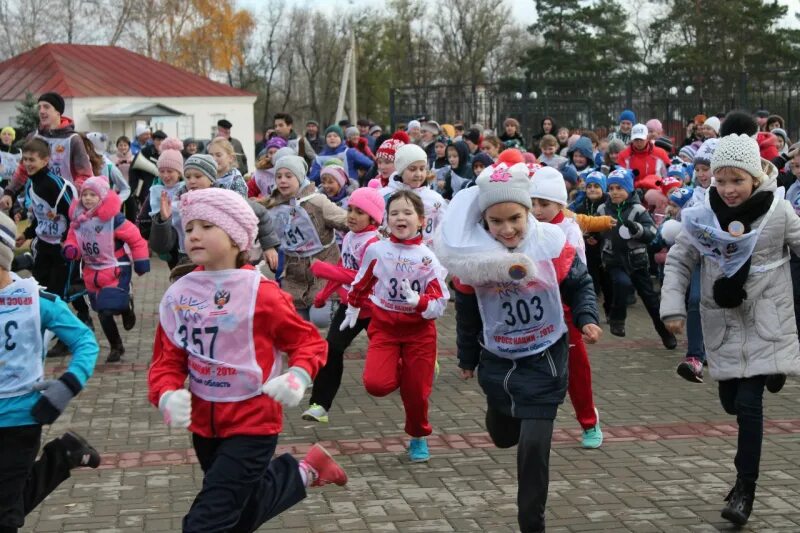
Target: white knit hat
x=548, y=184
x=706, y=151
x=738, y=151
x=713, y=123
x=407, y=154
x=500, y=183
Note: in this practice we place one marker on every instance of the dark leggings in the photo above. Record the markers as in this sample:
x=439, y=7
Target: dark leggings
x=50, y=269
x=110, y=328
x=329, y=378
x=744, y=397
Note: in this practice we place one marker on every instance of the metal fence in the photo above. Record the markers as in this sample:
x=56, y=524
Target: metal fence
x=595, y=101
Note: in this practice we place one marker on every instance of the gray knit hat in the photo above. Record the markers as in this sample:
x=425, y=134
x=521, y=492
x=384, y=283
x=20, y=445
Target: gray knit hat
x=202, y=163
x=501, y=183
x=294, y=164
x=738, y=151
x=8, y=237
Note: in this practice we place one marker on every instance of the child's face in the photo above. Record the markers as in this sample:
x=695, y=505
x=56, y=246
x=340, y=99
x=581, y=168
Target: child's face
x=549, y=150
x=579, y=160
x=547, y=126
x=224, y=159
x=603, y=145
x=685, y=158
x=386, y=168
x=544, y=210
x=33, y=162
x=208, y=246
x=89, y=199
x=734, y=186
x=477, y=168
x=490, y=149
x=452, y=157
x=781, y=142
x=169, y=176
x=123, y=147
x=795, y=165
x=593, y=191
x=440, y=149
x=403, y=220
x=772, y=125
x=357, y=219
x=703, y=175
x=330, y=186
x=191, y=148
x=271, y=151
x=511, y=130
x=6, y=138
x=333, y=140
x=507, y=222
x=196, y=180
x=562, y=135
x=415, y=174
x=617, y=194
x=286, y=183
x=625, y=126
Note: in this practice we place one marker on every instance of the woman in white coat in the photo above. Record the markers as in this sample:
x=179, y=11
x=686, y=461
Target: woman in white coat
x=741, y=235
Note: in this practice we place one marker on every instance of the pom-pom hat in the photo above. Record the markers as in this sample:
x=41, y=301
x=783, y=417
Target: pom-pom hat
x=738, y=151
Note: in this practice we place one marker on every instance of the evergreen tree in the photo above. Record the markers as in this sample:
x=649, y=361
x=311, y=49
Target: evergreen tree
x=27, y=117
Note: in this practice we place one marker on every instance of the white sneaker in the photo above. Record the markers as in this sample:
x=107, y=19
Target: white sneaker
x=316, y=413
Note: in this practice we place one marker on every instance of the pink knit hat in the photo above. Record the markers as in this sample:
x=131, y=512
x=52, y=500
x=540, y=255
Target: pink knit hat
x=336, y=172
x=369, y=200
x=655, y=125
x=226, y=210
x=98, y=185
x=171, y=157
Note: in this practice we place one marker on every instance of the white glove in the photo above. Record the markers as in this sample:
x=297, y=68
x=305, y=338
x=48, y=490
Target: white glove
x=411, y=296
x=176, y=407
x=288, y=388
x=350, y=317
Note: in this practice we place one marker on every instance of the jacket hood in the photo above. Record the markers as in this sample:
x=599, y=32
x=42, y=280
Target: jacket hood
x=584, y=147
x=464, y=168
x=64, y=129
x=105, y=211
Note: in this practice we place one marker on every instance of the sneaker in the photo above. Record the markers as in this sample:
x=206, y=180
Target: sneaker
x=775, y=382
x=79, y=451
x=129, y=317
x=691, y=369
x=321, y=468
x=58, y=350
x=418, y=450
x=669, y=341
x=115, y=354
x=593, y=437
x=617, y=329
x=315, y=413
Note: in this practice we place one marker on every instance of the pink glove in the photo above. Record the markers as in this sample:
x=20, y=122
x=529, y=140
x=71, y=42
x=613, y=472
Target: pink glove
x=70, y=252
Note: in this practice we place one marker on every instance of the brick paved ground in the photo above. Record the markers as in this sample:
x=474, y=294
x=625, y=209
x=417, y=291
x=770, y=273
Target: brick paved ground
x=665, y=466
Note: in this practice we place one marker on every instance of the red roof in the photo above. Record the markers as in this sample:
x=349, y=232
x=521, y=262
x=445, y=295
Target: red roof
x=81, y=70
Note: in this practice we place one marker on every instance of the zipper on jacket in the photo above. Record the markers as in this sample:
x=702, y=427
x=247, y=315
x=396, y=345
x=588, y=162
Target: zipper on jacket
x=552, y=363
x=505, y=385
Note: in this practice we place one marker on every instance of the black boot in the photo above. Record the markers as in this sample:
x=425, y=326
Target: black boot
x=669, y=341
x=115, y=354
x=740, y=502
x=79, y=452
x=58, y=350
x=775, y=382
x=617, y=328
x=129, y=317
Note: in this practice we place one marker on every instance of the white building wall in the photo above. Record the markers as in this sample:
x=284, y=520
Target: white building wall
x=200, y=120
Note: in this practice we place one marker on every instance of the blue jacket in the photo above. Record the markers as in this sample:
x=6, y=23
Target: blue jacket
x=352, y=158
x=55, y=316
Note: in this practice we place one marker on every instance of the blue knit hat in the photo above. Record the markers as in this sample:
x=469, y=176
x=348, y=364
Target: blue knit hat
x=598, y=178
x=570, y=174
x=627, y=114
x=680, y=196
x=621, y=177
x=677, y=170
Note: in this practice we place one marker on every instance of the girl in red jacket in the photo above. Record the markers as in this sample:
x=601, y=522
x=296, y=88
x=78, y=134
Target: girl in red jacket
x=364, y=215
x=102, y=235
x=406, y=285
x=221, y=326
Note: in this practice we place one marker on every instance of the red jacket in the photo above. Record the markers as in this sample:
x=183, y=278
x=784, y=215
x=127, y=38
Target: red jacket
x=276, y=326
x=651, y=160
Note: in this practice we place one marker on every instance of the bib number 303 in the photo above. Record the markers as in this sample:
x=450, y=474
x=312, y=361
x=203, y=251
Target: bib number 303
x=522, y=311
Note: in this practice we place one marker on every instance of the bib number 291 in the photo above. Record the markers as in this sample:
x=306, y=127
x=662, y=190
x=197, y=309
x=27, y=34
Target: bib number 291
x=522, y=311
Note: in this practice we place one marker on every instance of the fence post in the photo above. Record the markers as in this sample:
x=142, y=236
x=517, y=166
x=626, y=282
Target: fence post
x=391, y=108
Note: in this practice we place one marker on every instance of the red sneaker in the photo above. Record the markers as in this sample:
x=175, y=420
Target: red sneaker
x=322, y=468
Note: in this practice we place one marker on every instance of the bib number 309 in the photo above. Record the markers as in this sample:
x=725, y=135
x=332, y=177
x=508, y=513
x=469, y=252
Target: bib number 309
x=522, y=311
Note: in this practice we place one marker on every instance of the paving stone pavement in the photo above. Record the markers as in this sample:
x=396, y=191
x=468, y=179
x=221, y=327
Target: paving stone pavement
x=666, y=465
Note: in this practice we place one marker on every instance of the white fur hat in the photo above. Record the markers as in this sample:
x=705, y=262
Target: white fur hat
x=547, y=183
x=738, y=151
x=407, y=154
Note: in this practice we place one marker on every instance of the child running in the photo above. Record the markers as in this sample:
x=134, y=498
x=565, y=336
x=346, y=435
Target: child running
x=739, y=235
x=364, y=215
x=512, y=272
x=221, y=326
x=228, y=175
x=27, y=399
x=549, y=198
x=406, y=285
x=101, y=235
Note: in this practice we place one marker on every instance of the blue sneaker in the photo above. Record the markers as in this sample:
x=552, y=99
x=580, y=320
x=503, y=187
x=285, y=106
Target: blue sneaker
x=418, y=450
x=593, y=437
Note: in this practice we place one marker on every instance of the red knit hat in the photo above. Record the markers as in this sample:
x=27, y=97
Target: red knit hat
x=669, y=183
x=387, y=150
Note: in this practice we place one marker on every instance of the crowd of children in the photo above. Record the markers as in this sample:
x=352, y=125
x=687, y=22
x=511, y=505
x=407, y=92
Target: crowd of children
x=376, y=239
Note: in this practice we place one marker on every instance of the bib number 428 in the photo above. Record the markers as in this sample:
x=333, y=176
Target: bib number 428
x=522, y=311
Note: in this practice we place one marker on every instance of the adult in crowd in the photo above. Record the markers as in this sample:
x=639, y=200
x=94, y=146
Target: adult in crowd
x=547, y=127
x=141, y=139
x=762, y=119
x=224, y=130
x=283, y=124
x=643, y=158
x=312, y=135
x=68, y=157
x=512, y=132
x=9, y=155
x=626, y=120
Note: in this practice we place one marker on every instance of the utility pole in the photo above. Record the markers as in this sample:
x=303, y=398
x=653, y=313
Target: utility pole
x=353, y=105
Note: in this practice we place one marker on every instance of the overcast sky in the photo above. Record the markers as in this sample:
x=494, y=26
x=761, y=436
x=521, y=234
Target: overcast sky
x=523, y=10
